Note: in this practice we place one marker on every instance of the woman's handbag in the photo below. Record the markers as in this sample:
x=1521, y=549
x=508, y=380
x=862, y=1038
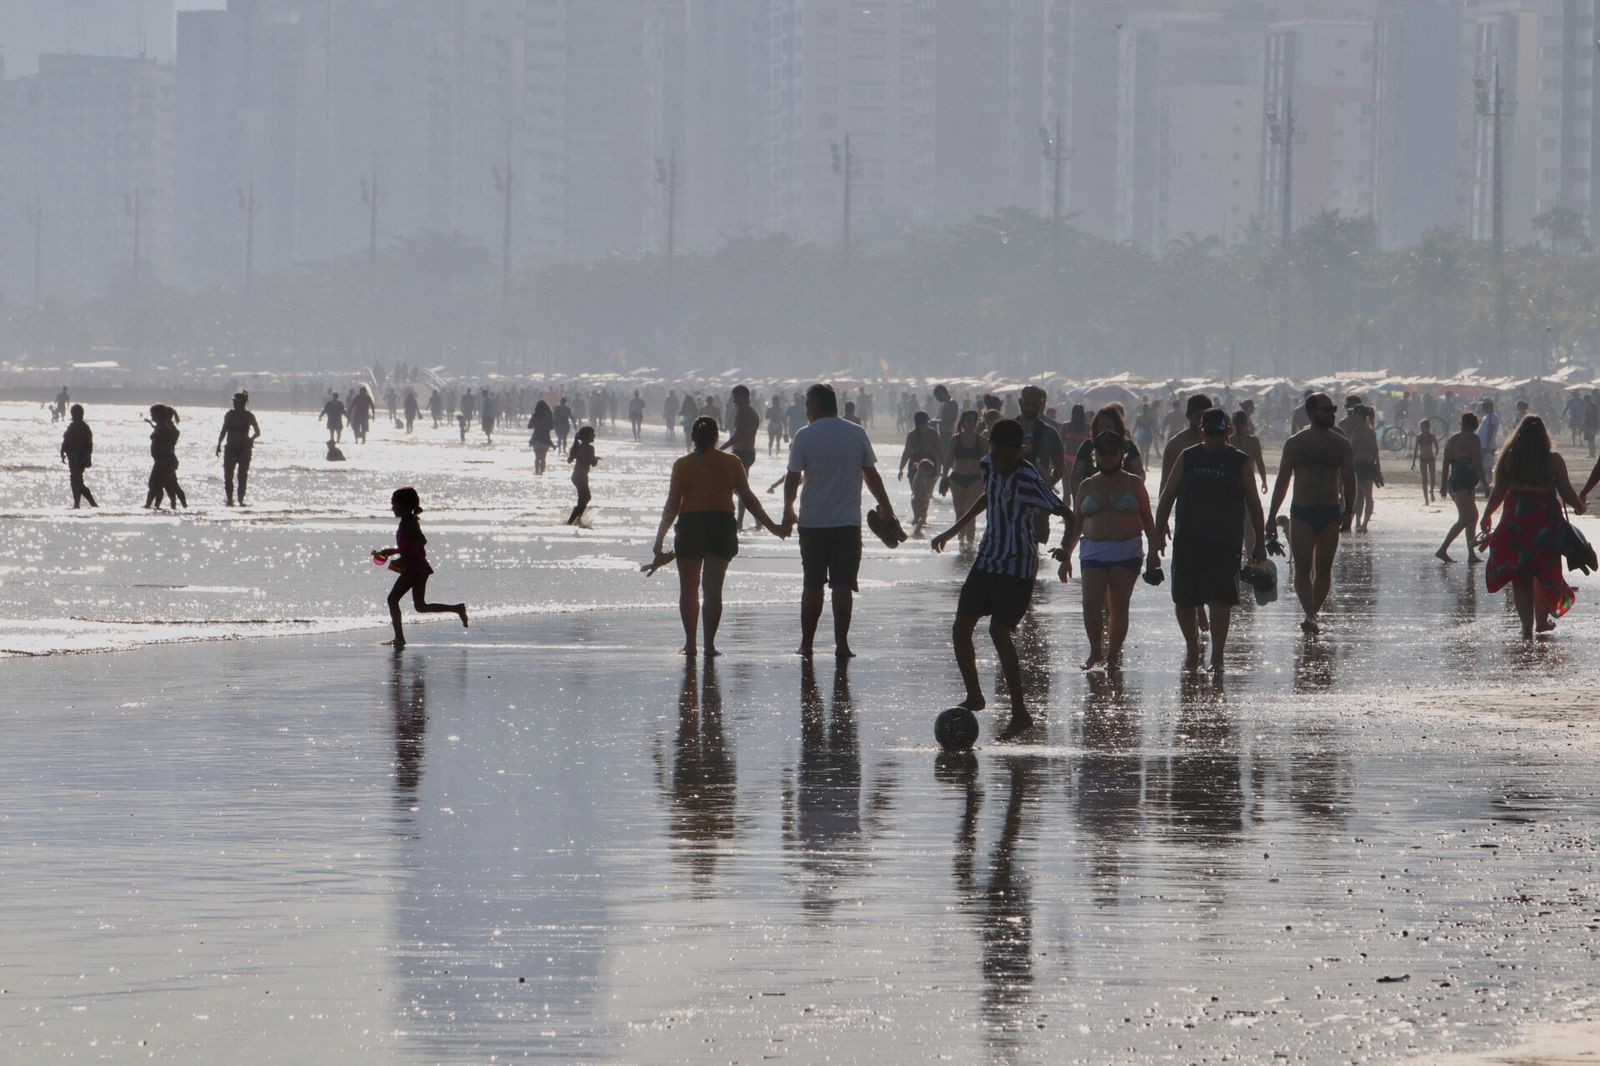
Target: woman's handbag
x=1575, y=546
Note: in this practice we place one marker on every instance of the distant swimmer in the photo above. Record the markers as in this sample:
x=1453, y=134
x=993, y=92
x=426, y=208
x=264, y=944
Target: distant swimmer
x=583, y=459
x=361, y=409
x=77, y=451
x=333, y=412
x=164, y=434
x=542, y=423
x=1321, y=463
x=409, y=557
x=238, y=434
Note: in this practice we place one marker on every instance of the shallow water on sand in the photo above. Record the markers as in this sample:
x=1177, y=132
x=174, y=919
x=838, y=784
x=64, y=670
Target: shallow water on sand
x=549, y=836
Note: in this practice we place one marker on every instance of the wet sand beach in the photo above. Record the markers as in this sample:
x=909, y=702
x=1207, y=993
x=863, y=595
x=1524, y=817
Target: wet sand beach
x=549, y=836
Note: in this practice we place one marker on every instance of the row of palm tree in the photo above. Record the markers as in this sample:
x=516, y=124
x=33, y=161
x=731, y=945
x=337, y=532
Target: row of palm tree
x=982, y=295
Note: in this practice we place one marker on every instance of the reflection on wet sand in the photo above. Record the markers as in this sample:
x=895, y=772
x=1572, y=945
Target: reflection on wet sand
x=408, y=697
x=1196, y=794
x=823, y=824
x=1004, y=912
x=1108, y=779
x=702, y=784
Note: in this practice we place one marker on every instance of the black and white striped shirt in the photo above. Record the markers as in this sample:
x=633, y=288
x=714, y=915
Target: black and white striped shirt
x=1010, y=544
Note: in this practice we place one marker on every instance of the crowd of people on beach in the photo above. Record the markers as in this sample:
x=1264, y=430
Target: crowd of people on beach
x=1016, y=461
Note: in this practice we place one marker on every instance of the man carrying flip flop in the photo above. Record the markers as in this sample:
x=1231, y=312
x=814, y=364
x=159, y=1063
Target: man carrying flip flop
x=829, y=460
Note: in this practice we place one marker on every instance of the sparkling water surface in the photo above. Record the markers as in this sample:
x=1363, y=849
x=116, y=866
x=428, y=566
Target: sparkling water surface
x=550, y=837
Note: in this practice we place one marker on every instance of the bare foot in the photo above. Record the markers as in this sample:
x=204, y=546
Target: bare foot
x=1094, y=660
x=1474, y=560
x=844, y=653
x=464, y=623
x=397, y=643
x=1021, y=722
x=711, y=652
x=974, y=702
x=1216, y=666
x=1546, y=626
x=1310, y=624
x=804, y=651
x=1191, y=659
x=1443, y=556
x=688, y=651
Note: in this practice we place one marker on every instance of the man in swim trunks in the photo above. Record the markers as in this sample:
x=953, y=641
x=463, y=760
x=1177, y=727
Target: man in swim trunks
x=1321, y=463
x=742, y=434
x=239, y=431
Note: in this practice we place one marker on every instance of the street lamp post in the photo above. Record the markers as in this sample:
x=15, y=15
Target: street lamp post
x=505, y=182
x=844, y=164
x=35, y=215
x=667, y=178
x=1286, y=135
x=1492, y=102
x=1056, y=154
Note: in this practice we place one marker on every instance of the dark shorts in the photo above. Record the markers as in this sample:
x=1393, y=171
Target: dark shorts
x=1000, y=597
x=236, y=455
x=703, y=533
x=747, y=458
x=1318, y=518
x=1366, y=469
x=1204, y=571
x=830, y=556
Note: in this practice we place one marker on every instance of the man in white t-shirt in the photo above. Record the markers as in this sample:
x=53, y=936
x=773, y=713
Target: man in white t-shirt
x=829, y=460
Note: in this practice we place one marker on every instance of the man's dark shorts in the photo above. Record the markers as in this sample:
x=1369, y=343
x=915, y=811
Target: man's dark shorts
x=1002, y=598
x=1204, y=571
x=746, y=457
x=830, y=556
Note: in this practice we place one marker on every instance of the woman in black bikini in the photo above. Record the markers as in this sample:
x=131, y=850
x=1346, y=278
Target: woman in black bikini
x=962, y=479
x=1463, y=469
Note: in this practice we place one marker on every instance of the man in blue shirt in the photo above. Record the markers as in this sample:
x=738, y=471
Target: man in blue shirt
x=1000, y=584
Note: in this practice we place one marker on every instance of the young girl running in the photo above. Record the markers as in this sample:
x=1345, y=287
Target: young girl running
x=410, y=560
x=582, y=458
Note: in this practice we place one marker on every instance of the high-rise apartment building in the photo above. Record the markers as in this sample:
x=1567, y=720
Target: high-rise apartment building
x=1533, y=61
x=1188, y=127
x=126, y=28
x=1320, y=83
x=85, y=144
x=1418, y=72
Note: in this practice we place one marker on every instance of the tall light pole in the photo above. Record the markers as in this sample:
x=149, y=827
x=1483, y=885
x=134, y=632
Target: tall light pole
x=133, y=204
x=1056, y=154
x=844, y=164
x=667, y=178
x=1493, y=103
x=369, y=195
x=35, y=215
x=505, y=181
x=1285, y=135
x=247, y=207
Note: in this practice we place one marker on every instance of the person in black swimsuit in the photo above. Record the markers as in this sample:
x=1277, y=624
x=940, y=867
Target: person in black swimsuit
x=961, y=477
x=1321, y=463
x=239, y=431
x=1463, y=470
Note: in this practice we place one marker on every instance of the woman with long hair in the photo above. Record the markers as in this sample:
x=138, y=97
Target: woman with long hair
x=543, y=423
x=700, y=498
x=1462, y=470
x=961, y=476
x=1113, y=507
x=1109, y=417
x=583, y=459
x=1525, y=549
x=1074, y=432
x=164, y=436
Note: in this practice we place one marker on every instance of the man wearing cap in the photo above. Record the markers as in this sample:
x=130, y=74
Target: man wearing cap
x=1214, y=494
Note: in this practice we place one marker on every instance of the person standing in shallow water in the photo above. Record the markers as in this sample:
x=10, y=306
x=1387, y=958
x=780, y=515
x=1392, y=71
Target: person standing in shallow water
x=239, y=432
x=1321, y=463
x=583, y=459
x=77, y=451
x=701, y=497
x=1462, y=471
x=412, y=565
x=164, y=458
